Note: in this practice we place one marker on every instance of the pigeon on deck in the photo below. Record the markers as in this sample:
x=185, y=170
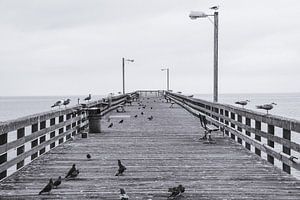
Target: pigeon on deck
x=88, y=156
x=73, y=172
x=150, y=118
x=57, y=182
x=120, y=122
x=142, y=113
x=123, y=195
x=110, y=125
x=176, y=191
x=47, y=188
x=121, y=169
x=135, y=116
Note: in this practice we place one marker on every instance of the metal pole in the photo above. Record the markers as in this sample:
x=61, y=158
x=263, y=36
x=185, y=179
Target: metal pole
x=216, y=24
x=123, y=73
x=168, y=80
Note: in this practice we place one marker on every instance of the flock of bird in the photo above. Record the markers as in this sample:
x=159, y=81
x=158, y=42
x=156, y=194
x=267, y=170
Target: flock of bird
x=65, y=102
x=266, y=107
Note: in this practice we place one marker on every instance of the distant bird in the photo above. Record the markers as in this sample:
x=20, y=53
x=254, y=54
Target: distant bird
x=47, y=188
x=214, y=8
x=75, y=174
x=150, y=118
x=88, y=156
x=58, y=103
x=110, y=125
x=121, y=121
x=135, y=116
x=151, y=108
x=57, y=182
x=142, y=113
x=121, y=169
x=71, y=171
x=88, y=98
x=176, y=191
x=242, y=103
x=266, y=107
x=66, y=102
x=139, y=108
x=144, y=107
x=123, y=195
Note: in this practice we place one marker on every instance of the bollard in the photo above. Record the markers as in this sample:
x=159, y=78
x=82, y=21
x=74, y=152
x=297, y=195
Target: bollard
x=94, y=116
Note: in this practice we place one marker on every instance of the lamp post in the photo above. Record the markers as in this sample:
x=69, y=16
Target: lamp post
x=196, y=15
x=123, y=71
x=168, y=76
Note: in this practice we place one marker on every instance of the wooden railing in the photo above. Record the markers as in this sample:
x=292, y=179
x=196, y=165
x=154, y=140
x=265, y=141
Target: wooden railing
x=149, y=93
x=24, y=139
x=270, y=137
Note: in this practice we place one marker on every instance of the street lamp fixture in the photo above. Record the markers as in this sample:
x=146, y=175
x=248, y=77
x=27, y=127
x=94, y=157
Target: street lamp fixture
x=123, y=71
x=168, y=76
x=198, y=14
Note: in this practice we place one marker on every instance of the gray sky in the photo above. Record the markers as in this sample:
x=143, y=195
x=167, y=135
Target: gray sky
x=63, y=47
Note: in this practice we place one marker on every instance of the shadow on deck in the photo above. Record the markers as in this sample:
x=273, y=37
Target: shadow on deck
x=158, y=154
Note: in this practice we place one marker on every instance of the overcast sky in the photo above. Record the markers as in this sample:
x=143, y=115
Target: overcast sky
x=65, y=47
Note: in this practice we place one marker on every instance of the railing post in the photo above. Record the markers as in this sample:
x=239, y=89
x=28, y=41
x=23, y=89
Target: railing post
x=257, y=137
x=270, y=143
x=286, y=134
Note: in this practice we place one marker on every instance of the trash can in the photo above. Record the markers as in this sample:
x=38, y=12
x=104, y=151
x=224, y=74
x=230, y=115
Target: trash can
x=94, y=116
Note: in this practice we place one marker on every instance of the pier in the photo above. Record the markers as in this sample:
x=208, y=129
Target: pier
x=242, y=161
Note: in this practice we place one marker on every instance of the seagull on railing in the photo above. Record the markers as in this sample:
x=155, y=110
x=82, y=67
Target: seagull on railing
x=214, y=8
x=242, y=103
x=88, y=98
x=266, y=107
x=58, y=103
x=66, y=102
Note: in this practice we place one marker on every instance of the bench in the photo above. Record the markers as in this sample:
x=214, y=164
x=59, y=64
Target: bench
x=208, y=129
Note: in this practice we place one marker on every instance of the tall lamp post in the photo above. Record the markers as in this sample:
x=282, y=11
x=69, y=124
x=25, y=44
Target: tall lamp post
x=168, y=76
x=123, y=71
x=196, y=15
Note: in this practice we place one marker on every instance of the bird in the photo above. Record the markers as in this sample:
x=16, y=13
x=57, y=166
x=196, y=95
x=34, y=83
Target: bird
x=266, y=107
x=123, y=195
x=58, y=103
x=151, y=108
x=214, y=8
x=142, y=113
x=57, y=182
x=66, y=102
x=88, y=156
x=74, y=173
x=47, y=188
x=121, y=121
x=71, y=171
x=110, y=125
x=242, y=103
x=135, y=116
x=121, y=169
x=88, y=98
x=150, y=118
x=176, y=191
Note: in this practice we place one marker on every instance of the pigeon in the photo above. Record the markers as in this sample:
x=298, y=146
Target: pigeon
x=142, y=113
x=150, y=118
x=88, y=156
x=111, y=125
x=242, y=103
x=176, y=191
x=66, y=102
x=123, y=195
x=135, y=116
x=71, y=171
x=121, y=169
x=57, y=182
x=120, y=122
x=74, y=173
x=151, y=108
x=144, y=107
x=88, y=98
x=47, y=188
x=266, y=107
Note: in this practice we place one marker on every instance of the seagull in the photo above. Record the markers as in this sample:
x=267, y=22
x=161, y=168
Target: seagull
x=88, y=156
x=176, y=191
x=58, y=103
x=120, y=122
x=47, y=188
x=57, y=182
x=121, y=169
x=214, y=8
x=242, y=103
x=135, y=116
x=71, y=171
x=150, y=118
x=88, y=98
x=123, y=195
x=110, y=125
x=266, y=107
x=66, y=102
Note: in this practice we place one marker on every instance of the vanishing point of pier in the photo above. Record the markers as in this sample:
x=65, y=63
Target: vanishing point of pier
x=238, y=163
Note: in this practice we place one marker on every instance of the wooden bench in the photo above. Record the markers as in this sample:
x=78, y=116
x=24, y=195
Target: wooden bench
x=208, y=129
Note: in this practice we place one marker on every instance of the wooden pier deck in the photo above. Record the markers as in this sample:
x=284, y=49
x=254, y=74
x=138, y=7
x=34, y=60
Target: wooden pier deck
x=158, y=154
